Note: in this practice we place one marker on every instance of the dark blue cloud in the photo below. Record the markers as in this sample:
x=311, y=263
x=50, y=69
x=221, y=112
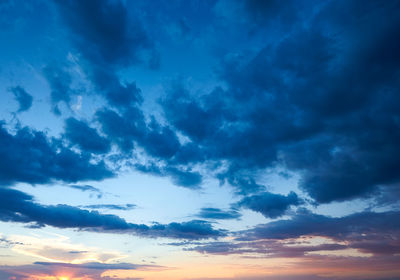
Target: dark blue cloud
x=129, y=129
x=30, y=156
x=185, y=178
x=108, y=38
x=116, y=93
x=103, y=31
x=195, y=229
x=189, y=153
x=108, y=45
x=244, y=184
x=320, y=101
x=271, y=13
x=189, y=116
x=160, y=142
x=23, y=98
x=16, y=206
x=318, y=97
x=122, y=129
x=269, y=204
x=85, y=188
x=59, y=80
x=218, y=214
x=85, y=137
x=88, y=188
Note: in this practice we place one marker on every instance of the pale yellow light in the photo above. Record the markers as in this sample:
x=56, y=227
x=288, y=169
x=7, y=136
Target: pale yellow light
x=63, y=278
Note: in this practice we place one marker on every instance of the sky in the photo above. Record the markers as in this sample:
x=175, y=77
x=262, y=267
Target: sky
x=199, y=140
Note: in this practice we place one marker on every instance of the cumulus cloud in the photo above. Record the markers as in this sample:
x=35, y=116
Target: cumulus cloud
x=110, y=39
x=85, y=137
x=314, y=102
x=269, y=204
x=104, y=54
x=109, y=34
x=32, y=157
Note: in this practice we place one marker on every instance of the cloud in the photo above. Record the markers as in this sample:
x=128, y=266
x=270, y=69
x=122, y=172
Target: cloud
x=110, y=206
x=129, y=129
x=201, y=122
x=122, y=130
x=315, y=238
x=260, y=15
x=32, y=157
x=185, y=178
x=264, y=249
x=218, y=214
x=110, y=39
x=57, y=248
x=243, y=183
x=108, y=45
x=368, y=232
x=117, y=94
x=308, y=101
x=87, y=138
x=307, y=223
x=6, y=243
x=103, y=31
x=78, y=105
x=23, y=98
x=269, y=204
x=160, y=142
x=20, y=207
x=88, y=188
x=60, y=81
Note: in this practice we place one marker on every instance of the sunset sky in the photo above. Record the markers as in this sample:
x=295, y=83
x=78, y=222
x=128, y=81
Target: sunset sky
x=199, y=139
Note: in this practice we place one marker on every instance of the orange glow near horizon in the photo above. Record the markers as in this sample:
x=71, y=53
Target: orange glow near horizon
x=48, y=277
x=275, y=267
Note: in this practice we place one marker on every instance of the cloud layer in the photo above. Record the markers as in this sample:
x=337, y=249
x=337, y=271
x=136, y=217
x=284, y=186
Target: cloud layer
x=17, y=206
